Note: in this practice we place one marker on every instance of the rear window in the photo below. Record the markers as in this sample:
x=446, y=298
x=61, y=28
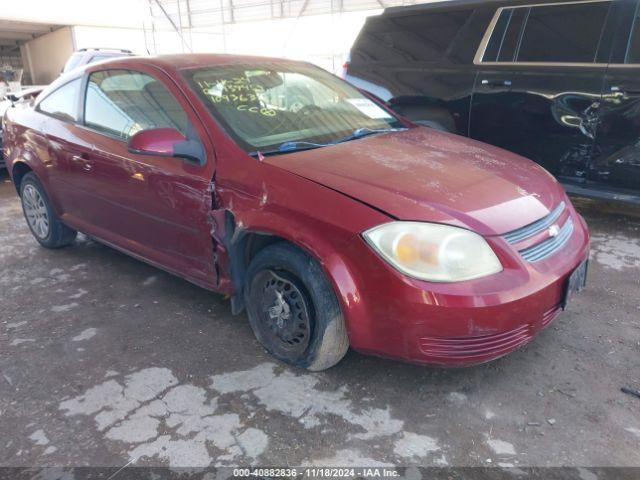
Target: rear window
x=422, y=36
x=562, y=33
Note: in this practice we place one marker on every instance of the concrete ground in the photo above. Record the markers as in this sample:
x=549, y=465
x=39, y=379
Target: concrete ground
x=104, y=360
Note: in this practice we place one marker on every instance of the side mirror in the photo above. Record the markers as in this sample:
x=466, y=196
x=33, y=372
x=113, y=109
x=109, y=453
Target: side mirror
x=166, y=142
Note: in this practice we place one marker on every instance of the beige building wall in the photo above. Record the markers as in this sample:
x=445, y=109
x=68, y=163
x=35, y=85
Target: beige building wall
x=45, y=56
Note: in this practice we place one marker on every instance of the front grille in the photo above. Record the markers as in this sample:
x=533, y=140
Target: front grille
x=535, y=227
x=548, y=247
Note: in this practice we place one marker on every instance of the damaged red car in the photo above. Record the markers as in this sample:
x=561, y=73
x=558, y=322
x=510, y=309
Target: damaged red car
x=333, y=222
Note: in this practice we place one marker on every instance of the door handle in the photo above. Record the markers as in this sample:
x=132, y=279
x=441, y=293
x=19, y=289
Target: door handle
x=82, y=159
x=584, y=125
x=495, y=83
x=624, y=91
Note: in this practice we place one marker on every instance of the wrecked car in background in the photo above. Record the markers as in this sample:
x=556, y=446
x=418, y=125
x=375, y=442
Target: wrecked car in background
x=331, y=220
x=556, y=81
x=24, y=96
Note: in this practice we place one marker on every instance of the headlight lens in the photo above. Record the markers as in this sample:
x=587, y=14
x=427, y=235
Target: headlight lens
x=434, y=252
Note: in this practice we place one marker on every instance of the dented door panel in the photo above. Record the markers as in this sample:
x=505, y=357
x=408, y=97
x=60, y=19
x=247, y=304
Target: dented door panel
x=616, y=159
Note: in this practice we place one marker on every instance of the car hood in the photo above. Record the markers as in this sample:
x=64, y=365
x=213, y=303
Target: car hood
x=425, y=175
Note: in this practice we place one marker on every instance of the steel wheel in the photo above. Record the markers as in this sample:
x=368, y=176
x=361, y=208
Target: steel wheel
x=284, y=312
x=292, y=308
x=36, y=211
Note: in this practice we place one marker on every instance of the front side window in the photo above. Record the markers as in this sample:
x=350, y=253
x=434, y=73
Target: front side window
x=563, y=33
x=63, y=102
x=266, y=106
x=122, y=102
x=633, y=50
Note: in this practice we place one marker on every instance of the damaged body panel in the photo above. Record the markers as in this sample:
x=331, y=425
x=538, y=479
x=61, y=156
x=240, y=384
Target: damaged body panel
x=328, y=219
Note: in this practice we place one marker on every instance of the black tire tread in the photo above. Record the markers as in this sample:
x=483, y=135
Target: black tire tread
x=333, y=344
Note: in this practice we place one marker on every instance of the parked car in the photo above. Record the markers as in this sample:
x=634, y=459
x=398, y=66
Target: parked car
x=334, y=223
x=85, y=56
x=555, y=81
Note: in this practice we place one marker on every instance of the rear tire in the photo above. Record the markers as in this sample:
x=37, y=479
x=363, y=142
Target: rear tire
x=293, y=310
x=44, y=224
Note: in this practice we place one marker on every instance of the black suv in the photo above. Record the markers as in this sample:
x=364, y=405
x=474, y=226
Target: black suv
x=555, y=81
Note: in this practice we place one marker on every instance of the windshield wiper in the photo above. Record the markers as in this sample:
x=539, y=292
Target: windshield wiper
x=363, y=132
x=292, y=146
x=287, y=147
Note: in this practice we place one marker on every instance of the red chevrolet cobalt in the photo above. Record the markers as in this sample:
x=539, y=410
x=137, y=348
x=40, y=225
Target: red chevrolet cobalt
x=332, y=221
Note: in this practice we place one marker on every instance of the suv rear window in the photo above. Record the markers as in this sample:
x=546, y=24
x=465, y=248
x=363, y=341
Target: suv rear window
x=422, y=37
x=562, y=33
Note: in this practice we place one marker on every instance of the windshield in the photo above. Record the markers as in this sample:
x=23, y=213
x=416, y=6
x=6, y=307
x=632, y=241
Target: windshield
x=265, y=106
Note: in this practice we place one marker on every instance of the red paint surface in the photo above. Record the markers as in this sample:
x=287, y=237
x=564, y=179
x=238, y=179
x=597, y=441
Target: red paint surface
x=161, y=210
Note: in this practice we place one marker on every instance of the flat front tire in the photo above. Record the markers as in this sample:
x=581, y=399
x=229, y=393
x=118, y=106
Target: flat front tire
x=293, y=310
x=44, y=224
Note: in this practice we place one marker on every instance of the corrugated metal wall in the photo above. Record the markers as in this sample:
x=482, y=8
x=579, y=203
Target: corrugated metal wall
x=201, y=15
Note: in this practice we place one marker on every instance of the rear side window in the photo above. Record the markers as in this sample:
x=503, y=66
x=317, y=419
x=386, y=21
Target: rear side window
x=122, y=102
x=62, y=103
x=562, y=33
x=511, y=39
x=427, y=37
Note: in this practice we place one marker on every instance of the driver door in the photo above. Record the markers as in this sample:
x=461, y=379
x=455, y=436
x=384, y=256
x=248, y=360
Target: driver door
x=155, y=207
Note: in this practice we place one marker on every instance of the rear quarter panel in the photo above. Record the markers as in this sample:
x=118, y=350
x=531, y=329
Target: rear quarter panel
x=25, y=143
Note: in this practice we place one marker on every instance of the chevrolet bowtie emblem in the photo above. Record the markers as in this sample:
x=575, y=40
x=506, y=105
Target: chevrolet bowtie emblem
x=554, y=230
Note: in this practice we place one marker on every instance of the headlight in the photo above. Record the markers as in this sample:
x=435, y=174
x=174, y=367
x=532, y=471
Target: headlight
x=434, y=252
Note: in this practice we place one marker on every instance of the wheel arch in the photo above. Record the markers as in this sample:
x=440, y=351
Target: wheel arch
x=247, y=238
x=18, y=170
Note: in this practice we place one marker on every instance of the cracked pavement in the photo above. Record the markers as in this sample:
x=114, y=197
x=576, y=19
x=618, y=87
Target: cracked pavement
x=105, y=360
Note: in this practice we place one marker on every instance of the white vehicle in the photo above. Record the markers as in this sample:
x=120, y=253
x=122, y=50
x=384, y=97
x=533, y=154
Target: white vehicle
x=85, y=56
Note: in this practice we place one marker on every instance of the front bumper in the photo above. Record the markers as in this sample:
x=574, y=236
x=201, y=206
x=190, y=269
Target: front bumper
x=462, y=323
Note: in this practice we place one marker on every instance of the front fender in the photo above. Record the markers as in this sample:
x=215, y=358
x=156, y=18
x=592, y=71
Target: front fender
x=320, y=243
x=323, y=222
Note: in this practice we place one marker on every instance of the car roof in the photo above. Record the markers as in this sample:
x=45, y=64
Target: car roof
x=457, y=4
x=166, y=63
x=196, y=60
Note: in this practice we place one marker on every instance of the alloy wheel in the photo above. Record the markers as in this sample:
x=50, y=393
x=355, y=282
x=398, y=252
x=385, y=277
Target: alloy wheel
x=36, y=211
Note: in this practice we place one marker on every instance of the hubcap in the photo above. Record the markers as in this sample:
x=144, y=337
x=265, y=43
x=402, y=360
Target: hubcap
x=36, y=211
x=285, y=313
